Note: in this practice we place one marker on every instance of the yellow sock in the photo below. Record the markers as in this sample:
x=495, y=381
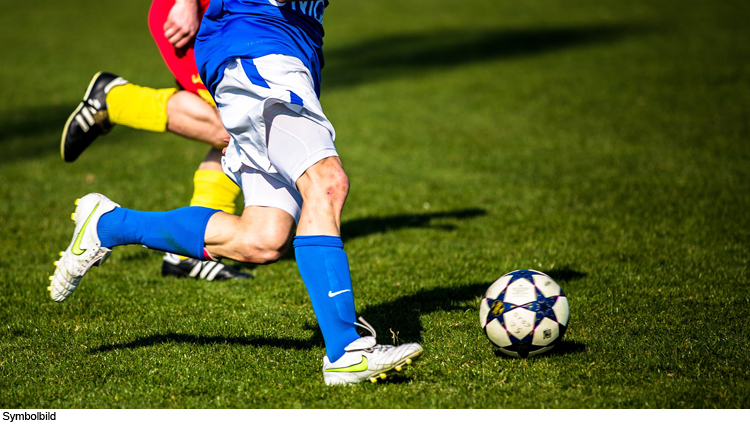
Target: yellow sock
x=213, y=189
x=139, y=107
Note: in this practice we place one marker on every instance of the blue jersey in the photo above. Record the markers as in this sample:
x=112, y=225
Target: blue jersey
x=253, y=28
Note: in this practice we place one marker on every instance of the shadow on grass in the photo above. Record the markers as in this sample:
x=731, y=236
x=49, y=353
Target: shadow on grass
x=402, y=314
x=400, y=317
x=565, y=347
x=413, y=54
x=27, y=133
x=565, y=274
x=379, y=225
x=157, y=339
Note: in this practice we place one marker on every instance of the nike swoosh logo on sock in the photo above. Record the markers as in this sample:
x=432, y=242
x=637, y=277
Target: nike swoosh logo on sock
x=332, y=294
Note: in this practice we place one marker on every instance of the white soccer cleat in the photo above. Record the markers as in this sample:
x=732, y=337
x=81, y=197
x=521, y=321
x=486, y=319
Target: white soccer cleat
x=366, y=360
x=85, y=250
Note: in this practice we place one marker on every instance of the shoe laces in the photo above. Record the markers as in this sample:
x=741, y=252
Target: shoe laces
x=367, y=326
x=376, y=347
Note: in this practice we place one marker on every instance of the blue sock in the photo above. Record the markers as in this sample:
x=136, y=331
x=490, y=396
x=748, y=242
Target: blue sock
x=324, y=267
x=181, y=231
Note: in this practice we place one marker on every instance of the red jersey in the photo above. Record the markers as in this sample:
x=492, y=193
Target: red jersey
x=181, y=62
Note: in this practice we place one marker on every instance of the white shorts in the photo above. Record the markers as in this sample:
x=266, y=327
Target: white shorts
x=277, y=129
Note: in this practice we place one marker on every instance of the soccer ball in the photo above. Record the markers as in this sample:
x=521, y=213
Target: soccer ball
x=524, y=313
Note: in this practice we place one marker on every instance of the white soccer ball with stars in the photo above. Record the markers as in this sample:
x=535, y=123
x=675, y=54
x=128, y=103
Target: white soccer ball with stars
x=524, y=313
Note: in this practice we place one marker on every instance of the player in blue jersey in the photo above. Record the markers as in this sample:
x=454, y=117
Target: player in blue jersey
x=261, y=61
x=187, y=110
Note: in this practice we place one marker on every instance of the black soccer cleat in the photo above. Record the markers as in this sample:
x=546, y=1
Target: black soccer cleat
x=193, y=268
x=90, y=119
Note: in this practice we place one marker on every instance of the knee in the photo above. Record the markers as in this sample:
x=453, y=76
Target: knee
x=327, y=184
x=336, y=188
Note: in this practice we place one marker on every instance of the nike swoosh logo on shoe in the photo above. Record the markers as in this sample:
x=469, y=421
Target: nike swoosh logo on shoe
x=76, y=249
x=331, y=293
x=359, y=367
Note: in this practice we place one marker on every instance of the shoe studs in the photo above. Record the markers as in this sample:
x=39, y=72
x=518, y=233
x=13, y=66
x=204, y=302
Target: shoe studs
x=73, y=215
x=374, y=379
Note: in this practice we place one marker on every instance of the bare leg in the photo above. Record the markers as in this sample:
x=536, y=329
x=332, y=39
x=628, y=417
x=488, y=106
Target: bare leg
x=260, y=236
x=324, y=188
x=212, y=161
x=190, y=116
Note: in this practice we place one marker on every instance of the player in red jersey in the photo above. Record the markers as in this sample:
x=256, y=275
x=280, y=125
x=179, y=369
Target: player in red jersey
x=173, y=26
x=188, y=111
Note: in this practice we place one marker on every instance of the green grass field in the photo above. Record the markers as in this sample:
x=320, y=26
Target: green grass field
x=605, y=143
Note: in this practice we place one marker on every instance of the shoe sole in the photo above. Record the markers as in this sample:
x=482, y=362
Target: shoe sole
x=73, y=114
x=397, y=368
x=65, y=296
